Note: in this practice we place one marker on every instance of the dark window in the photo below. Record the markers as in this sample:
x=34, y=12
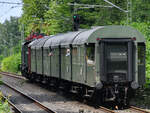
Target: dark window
x=90, y=53
x=74, y=54
x=141, y=54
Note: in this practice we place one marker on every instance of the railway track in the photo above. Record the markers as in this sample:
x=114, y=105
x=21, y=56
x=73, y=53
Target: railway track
x=139, y=110
x=101, y=108
x=106, y=110
x=20, y=77
x=12, y=75
x=14, y=108
x=37, y=103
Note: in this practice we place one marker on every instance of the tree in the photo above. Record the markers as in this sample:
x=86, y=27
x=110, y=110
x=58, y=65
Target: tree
x=9, y=36
x=56, y=15
x=33, y=14
x=58, y=18
x=141, y=9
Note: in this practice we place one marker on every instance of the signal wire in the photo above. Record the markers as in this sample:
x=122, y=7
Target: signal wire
x=11, y=3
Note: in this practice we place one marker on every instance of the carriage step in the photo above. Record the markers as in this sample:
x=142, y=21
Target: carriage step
x=87, y=96
x=90, y=91
x=73, y=91
x=51, y=84
x=61, y=87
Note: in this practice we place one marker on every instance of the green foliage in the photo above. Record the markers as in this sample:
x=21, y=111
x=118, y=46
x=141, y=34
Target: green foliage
x=4, y=106
x=11, y=63
x=55, y=16
x=16, y=49
x=141, y=9
x=9, y=36
x=33, y=14
x=58, y=18
x=1, y=58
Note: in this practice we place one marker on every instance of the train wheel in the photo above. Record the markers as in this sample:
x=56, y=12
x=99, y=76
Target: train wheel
x=97, y=97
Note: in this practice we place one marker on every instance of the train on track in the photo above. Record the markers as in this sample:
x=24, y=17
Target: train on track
x=106, y=63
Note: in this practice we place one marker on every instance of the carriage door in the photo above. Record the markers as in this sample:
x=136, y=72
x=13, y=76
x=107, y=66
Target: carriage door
x=141, y=63
x=116, y=60
x=29, y=59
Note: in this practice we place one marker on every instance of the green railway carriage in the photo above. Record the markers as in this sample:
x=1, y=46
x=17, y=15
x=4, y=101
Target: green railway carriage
x=32, y=46
x=109, y=59
x=37, y=55
x=40, y=56
x=61, y=64
x=26, y=56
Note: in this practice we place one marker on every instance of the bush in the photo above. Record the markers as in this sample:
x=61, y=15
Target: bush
x=11, y=63
x=1, y=58
x=4, y=106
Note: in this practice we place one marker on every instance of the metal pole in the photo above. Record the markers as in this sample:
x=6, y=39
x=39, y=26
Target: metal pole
x=41, y=24
x=129, y=13
x=11, y=50
x=22, y=34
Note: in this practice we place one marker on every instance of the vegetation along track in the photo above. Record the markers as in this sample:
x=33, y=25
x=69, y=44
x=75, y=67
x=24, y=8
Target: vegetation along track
x=14, y=108
x=30, y=98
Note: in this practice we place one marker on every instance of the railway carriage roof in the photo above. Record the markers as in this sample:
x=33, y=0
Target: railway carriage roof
x=42, y=42
x=37, y=43
x=62, y=39
x=88, y=36
x=33, y=43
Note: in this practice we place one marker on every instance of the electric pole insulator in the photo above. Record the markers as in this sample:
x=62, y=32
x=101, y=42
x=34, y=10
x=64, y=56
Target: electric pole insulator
x=76, y=22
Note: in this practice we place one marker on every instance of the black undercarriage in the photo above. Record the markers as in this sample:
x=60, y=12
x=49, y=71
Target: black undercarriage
x=111, y=95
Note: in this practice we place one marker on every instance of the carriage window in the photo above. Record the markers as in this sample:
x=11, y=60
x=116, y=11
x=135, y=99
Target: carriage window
x=74, y=51
x=45, y=52
x=74, y=55
x=141, y=53
x=63, y=51
x=90, y=54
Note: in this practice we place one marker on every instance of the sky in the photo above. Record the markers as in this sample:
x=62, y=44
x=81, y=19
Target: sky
x=8, y=10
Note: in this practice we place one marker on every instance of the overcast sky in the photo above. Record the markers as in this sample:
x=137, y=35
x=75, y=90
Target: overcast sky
x=7, y=10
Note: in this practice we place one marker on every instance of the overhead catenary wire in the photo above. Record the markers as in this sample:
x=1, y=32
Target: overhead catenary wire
x=116, y=6
x=88, y=5
x=17, y=3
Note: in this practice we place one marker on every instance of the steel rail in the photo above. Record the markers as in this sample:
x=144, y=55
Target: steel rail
x=16, y=76
x=138, y=109
x=30, y=98
x=13, y=75
x=106, y=110
x=16, y=110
